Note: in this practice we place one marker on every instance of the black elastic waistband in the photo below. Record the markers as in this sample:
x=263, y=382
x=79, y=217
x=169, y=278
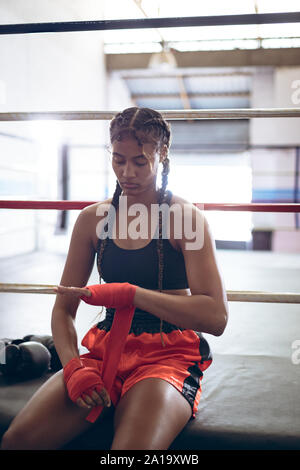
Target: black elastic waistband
x=142, y=322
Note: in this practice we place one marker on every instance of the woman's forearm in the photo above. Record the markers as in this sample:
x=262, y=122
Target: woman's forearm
x=196, y=312
x=64, y=335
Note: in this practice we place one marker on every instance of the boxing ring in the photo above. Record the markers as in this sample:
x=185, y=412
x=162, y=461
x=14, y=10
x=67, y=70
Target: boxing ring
x=249, y=400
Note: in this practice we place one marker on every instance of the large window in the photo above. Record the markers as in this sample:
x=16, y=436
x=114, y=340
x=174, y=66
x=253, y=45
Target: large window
x=218, y=183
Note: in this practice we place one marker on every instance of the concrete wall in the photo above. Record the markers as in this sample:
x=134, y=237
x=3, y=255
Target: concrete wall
x=41, y=72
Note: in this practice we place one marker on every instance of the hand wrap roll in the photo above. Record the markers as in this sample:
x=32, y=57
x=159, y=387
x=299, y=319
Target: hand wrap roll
x=119, y=296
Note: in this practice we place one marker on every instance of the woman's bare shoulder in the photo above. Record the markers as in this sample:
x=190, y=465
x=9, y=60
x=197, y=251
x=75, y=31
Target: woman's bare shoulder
x=176, y=199
x=92, y=216
x=94, y=208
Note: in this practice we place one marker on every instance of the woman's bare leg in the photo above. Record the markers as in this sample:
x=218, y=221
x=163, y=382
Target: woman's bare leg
x=48, y=421
x=150, y=416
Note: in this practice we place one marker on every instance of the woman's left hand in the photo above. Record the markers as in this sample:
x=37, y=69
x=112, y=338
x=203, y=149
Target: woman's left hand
x=114, y=294
x=74, y=291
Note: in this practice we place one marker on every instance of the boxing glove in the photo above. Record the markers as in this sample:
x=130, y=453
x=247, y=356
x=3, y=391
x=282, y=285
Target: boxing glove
x=47, y=341
x=26, y=361
x=9, y=359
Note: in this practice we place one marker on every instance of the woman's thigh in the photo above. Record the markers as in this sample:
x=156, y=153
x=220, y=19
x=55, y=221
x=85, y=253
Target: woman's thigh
x=150, y=415
x=48, y=421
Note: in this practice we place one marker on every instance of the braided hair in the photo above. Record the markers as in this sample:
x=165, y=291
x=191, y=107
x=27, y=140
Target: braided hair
x=146, y=126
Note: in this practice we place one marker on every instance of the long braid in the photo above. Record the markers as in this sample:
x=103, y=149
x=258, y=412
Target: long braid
x=115, y=204
x=161, y=127
x=160, y=250
x=100, y=251
x=153, y=128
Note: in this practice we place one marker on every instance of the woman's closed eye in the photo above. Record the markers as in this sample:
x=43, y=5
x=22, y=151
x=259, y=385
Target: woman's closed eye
x=141, y=162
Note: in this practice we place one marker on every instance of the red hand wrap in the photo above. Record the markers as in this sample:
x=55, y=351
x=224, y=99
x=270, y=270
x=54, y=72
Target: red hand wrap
x=119, y=296
x=111, y=295
x=81, y=380
x=117, y=337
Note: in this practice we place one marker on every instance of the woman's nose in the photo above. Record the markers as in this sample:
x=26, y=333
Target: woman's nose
x=128, y=170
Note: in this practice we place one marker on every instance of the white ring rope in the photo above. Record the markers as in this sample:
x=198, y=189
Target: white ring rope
x=239, y=113
x=233, y=296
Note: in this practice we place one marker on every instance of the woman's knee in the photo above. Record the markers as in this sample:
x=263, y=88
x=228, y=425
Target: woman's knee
x=14, y=440
x=47, y=421
x=22, y=435
x=5, y=442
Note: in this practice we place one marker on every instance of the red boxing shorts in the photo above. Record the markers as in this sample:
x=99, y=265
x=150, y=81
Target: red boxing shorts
x=181, y=362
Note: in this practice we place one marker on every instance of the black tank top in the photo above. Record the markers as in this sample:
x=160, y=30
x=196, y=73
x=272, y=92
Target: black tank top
x=140, y=267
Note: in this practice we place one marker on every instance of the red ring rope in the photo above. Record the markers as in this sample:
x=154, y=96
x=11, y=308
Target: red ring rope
x=78, y=205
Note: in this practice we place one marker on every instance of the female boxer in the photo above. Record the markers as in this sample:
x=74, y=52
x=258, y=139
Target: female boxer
x=169, y=284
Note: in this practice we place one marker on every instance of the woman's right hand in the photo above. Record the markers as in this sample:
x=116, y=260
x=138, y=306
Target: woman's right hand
x=94, y=398
x=84, y=385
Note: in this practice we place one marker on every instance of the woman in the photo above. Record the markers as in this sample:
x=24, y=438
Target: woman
x=176, y=292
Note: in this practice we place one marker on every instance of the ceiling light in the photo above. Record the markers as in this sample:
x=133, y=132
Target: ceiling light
x=164, y=59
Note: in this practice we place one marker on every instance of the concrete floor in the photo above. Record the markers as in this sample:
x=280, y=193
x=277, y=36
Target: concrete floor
x=253, y=328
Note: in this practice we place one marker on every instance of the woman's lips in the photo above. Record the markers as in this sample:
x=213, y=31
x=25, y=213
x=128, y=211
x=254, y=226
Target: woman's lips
x=129, y=185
